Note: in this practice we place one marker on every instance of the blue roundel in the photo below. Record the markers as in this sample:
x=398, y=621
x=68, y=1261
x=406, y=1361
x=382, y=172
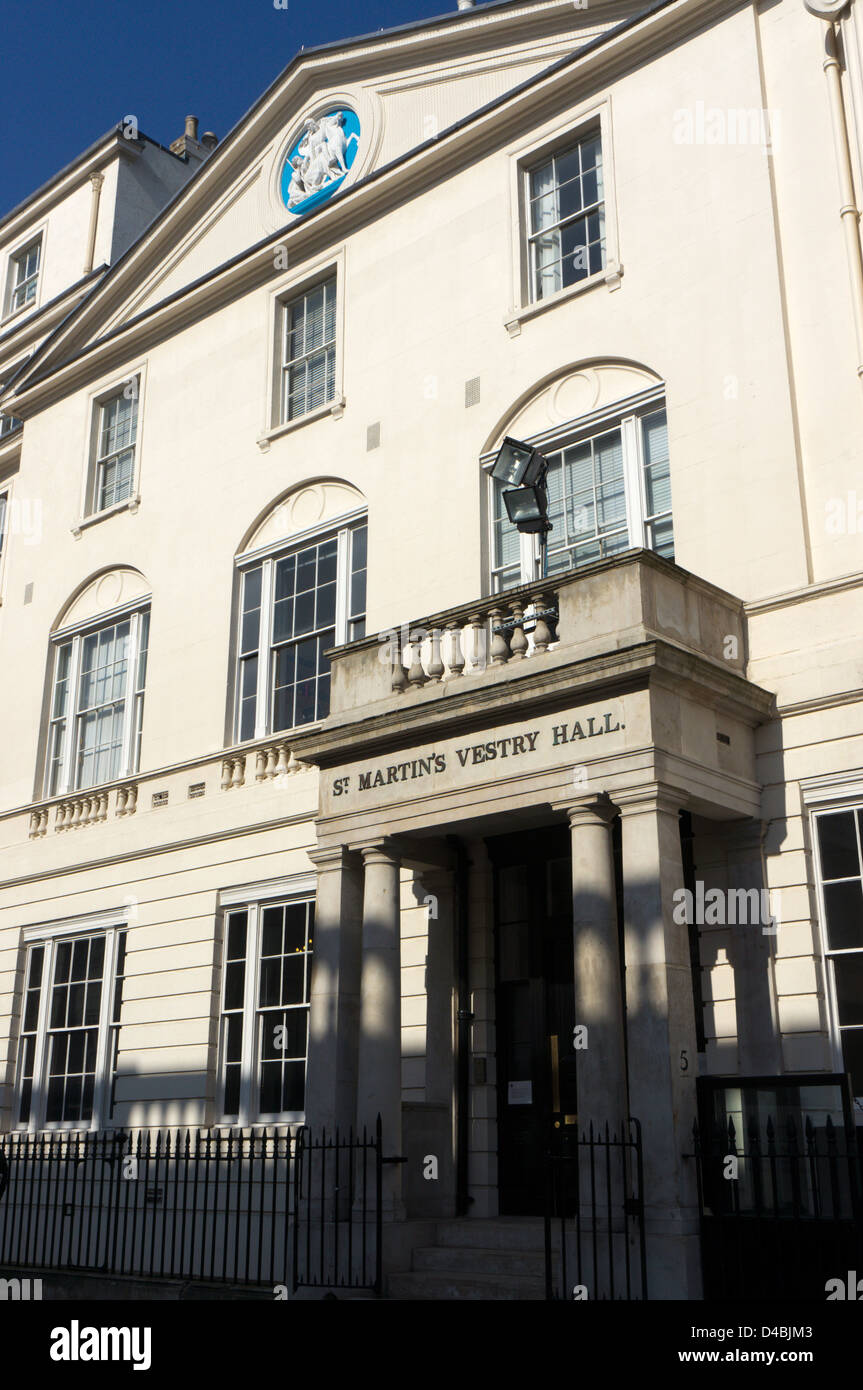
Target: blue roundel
x=318, y=161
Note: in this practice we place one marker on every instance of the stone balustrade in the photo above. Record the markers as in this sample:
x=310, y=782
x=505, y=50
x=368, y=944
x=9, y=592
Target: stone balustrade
x=84, y=808
x=499, y=631
x=271, y=760
x=265, y=762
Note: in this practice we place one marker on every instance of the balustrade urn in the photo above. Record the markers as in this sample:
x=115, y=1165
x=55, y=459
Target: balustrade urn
x=499, y=645
x=518, y=643
x=541, y=632
x=435, y=667
x=416, y=674
x=456, y=659
x=400, y=676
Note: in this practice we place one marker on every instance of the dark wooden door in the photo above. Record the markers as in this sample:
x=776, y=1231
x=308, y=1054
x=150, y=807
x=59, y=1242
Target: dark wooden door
x=534, y=1011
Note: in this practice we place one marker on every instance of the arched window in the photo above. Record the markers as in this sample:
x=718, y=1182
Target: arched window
x=609, y=481
x=302, y=576
x=98, y=671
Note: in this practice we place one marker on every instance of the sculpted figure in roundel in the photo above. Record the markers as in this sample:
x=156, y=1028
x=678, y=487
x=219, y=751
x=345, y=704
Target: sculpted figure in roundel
x=320, y=157
x=313, y=152
x=297, y=190
x=337, y=144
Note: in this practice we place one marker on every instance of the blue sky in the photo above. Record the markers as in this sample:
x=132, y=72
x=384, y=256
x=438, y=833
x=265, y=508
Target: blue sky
x=71, y=71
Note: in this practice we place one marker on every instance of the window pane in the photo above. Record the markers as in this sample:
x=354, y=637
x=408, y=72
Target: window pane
x=310, y=325
x=837, y=838
x=852, y=1050
x=660, y=535
x=271, y=940
x=843, y=905
x=848, y=973
x=237, y=924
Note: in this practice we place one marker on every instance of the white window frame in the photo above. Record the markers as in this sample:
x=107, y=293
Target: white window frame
x=90, y=511
x=132, y=723
x=295, y=890
x=625, y=416
x=5, y=517
x=283, y=293
x=820, y=803
x=341, y=528
x=555, y=139
x=329, y=286
x=9, y=425
x=15, y=256
x=49, y=936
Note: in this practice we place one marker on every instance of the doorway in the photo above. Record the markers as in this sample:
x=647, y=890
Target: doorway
x=536, y=1088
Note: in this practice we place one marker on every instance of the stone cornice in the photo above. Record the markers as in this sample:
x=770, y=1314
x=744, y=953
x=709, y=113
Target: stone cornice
x=59, y=366
x=755, y=607
x=133, y=855
x=539, y=686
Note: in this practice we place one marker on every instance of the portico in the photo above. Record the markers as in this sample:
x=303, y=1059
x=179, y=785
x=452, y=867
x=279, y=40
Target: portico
x=532, y=808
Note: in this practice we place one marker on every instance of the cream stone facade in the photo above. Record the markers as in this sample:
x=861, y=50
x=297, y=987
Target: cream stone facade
x=252, y=406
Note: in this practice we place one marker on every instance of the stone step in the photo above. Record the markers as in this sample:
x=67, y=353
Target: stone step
x=431, y=1285
x=457, y=1259
x=495, y=1234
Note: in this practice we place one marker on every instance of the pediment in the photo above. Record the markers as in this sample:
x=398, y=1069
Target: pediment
x=343, y=114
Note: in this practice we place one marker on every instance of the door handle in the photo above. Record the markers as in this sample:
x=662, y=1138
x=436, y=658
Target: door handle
x=555, y=1073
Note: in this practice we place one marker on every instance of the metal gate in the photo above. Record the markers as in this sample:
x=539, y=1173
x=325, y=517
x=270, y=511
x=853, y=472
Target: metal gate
x=594, y=1217
x=780, y=1208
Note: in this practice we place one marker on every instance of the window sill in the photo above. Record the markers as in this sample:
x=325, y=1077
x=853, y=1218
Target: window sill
x=129, y=504
x=11, y=441
x=610, y=276
x=335, y=407
x=21, y=311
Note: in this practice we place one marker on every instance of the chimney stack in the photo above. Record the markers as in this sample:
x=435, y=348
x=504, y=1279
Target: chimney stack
x=188, y=146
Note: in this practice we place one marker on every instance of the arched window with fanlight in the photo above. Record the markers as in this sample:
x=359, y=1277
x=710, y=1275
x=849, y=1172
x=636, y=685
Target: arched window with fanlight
x=302, y=590
x=98, y=668
x=609, y=475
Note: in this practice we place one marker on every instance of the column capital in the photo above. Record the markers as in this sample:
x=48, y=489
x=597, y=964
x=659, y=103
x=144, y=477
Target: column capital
x=96, y=180
x=746, y=836
x=380, y=852
x=826, y=9
x=327, y=858
x=589, y=810
x=650, y=798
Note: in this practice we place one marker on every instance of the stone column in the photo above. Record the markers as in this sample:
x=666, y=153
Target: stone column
x=331, y=1079
x=752, y=952
x=601, y=1065
x=661, y=1034
x=438, y=885
x=482, y=1124
x=379, y=1088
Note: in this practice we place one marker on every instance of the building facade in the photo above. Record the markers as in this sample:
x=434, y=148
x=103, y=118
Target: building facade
x=325, y=794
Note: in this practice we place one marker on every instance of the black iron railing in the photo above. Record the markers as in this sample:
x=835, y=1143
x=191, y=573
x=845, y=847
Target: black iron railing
x=208, y=1205
x=338, y=1197
x=781, y=1206
x=594, y=1221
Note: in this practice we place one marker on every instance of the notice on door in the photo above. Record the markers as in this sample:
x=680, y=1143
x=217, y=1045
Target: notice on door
x=519, y=1093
